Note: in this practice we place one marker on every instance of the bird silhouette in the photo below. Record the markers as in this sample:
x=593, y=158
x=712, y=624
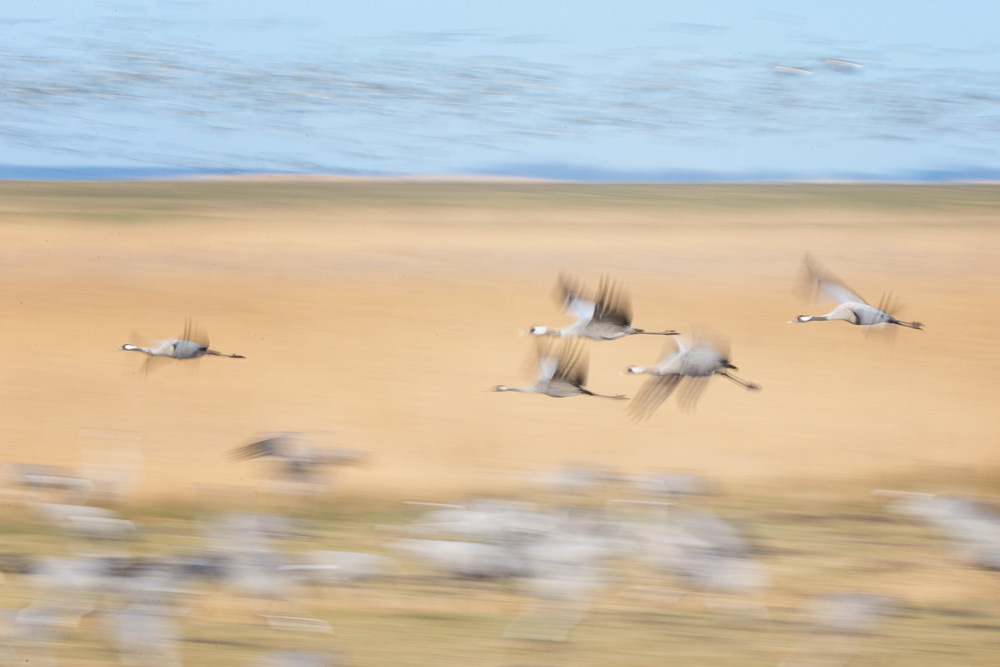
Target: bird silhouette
x=689, y=364
x=562, y=372
x=192, y=344
x=604, y=316
x=850, y=308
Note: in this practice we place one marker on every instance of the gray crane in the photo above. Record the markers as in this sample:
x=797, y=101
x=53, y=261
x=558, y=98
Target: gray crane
x=562, y=372
x=298, y=460
x=604, y=316
x=466, y=560
x=851, y=308
x=971, y=528
x=57, y=481
x=712, y=556
x=192, y=344
x=695, y=363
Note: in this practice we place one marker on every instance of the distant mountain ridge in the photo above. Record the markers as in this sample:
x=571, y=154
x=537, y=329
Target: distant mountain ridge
x=550, y=171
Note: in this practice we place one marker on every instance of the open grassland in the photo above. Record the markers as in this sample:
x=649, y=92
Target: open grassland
x=379, y=314
x=383, y=313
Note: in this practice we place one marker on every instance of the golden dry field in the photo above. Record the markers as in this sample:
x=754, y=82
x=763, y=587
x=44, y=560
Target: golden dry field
x=379, y=315
x=383, y=313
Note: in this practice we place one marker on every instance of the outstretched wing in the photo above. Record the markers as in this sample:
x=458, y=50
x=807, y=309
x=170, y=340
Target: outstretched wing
x=820, y=280
x=651, y=395
x=573, y=299
x=673, y=348
x=548, y=360
x=573, y=364
x=274, y=446
x=194, y=333
x=704, y=338
x=692, y=390
x=612, y=304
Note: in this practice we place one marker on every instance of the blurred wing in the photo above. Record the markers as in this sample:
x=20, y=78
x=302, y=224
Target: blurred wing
x=652, y=395
x=838, y=292
x=888, y=304
x=823, y=281
x=612, y=304
x=702, y=339
x=547, y=368
x=152, y=363
x=574, y=301
x=672, y=347
x=689, y=394
x=548, y=361
x=255, y=450
x=573, y=364
x=194, y=333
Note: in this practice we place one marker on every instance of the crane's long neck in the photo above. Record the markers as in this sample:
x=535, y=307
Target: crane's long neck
x=848, y=312
x=667, y=332
x=135, y=348
x=503, y=387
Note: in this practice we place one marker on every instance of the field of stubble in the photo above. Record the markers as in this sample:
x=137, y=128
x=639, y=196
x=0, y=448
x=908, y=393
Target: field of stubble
x=380, y=315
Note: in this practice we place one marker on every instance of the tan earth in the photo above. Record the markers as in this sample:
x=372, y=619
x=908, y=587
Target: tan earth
x=379, y=316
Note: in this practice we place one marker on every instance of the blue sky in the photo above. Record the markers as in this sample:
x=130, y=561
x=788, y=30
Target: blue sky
x=805, y=89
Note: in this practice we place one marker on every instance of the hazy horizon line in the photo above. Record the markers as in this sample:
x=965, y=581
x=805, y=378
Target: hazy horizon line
x=558, y=172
